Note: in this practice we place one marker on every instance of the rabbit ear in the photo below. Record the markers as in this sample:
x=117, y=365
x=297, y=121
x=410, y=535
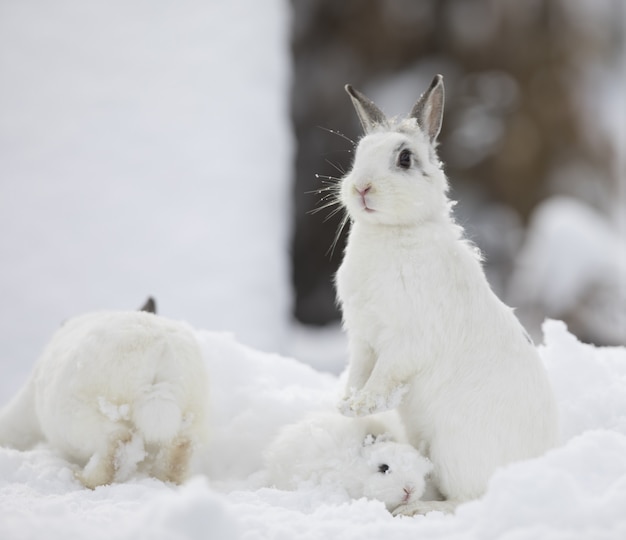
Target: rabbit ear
x=385, y=437
x=428, y=111
x=149, y=306
x=369, y=114
x=369, y=439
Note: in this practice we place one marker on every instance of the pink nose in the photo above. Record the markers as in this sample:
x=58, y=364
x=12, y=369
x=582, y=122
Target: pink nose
x=364, y=191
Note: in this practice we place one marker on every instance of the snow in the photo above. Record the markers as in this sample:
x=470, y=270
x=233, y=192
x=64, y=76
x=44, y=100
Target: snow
x=253, y=394
x=577, y=490
x=113, y=412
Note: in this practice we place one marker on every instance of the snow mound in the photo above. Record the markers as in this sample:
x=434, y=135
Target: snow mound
x=589, y=382
x=571, y=267
x=577, y=490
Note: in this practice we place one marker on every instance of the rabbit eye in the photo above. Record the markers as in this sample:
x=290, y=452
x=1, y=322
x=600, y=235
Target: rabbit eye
x=383, y=469
x=404, y=159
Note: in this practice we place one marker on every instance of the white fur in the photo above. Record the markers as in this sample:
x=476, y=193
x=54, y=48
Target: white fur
x=426, y=333
x=335, y=451
x=113, y=390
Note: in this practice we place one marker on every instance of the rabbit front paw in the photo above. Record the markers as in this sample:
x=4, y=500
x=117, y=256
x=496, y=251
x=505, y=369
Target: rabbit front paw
x=347, y=407
x=363, y=403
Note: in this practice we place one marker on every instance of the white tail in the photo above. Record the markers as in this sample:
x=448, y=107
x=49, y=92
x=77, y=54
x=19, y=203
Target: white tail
x=157, y=414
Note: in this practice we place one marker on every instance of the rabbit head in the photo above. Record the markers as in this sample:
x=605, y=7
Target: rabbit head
x=396, y=177
x=394, y=473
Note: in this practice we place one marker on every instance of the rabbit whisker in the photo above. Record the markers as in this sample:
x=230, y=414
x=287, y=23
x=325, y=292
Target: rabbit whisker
x=329, y=187
x=332, y=214
x=344, y=221
x=323, y=207
x=326, y=177
x=338, y=168
x=329, y=196
x=338, y=133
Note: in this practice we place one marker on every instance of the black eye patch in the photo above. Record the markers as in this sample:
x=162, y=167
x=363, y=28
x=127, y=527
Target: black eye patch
x=405, y=158
x=383, y=469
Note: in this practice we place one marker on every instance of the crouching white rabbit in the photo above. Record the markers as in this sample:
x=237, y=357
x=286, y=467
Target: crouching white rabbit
x=357, y=455
x=426, y=333
x=113, y=390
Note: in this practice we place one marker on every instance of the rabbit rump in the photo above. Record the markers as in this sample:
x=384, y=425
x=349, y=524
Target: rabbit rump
x=356, y=454
x=113, y=391
x=426, y=333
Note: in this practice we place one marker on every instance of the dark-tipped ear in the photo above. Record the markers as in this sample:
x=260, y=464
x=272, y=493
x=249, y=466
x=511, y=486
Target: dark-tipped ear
x=370, y=438
x=149, y=306
x=369, y=114
x=428, y=111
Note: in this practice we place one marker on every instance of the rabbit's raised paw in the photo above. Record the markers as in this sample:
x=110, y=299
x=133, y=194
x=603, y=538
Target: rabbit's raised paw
x=363, y=403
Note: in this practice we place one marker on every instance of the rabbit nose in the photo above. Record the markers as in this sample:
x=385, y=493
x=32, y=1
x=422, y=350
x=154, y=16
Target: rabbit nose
x=362, y=192
x=408, y=491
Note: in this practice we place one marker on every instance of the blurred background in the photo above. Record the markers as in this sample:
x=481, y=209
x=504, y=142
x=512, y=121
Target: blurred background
x=153, y=148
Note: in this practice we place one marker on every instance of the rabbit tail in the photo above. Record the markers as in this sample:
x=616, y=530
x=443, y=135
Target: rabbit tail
x=157, y=414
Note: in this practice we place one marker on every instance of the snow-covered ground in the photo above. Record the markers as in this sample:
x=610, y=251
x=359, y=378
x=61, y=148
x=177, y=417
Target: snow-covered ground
x=578, y=490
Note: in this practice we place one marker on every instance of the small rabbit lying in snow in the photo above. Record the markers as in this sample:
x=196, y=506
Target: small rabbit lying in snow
x=113, y=390
x=356, y=454
x=426, y=333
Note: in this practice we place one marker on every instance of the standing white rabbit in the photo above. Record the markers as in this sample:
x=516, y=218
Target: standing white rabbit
x=113, y=390
x=358, y=455
x=426, y=333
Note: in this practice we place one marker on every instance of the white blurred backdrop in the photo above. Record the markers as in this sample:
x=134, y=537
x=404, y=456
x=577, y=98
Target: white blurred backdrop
x=145, y=149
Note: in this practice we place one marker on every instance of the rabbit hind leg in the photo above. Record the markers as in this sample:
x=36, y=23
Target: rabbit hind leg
x=171, y=463
x=103, y=465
